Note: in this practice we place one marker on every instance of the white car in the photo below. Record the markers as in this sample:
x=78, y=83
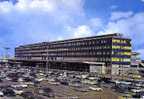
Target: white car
x=136, y=90
x=18, y=92
x=1, y=94
x=95, y=89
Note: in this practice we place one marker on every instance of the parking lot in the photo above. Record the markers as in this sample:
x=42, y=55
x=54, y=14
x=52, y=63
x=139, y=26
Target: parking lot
x=32, y=83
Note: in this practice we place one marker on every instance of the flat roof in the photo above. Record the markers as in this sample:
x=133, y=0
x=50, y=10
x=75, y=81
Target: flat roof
x=114, y=35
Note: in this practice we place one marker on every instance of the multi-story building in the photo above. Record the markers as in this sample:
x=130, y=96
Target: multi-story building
x=113, y=49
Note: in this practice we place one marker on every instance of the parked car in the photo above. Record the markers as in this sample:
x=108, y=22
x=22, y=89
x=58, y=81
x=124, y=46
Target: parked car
x=64, y=83
x=1, y=94
x=18, y=92
x=8, y=92
x=95, y=88
x=47, y=92
x=28, y=95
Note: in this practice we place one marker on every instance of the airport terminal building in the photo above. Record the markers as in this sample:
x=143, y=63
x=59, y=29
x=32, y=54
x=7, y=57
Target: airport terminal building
x=84, y=54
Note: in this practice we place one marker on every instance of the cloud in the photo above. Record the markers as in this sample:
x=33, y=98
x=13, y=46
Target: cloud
x=39, y=18
x=45, y=20
x=96, y=23
x=74, y=6
x=131, y=27
x=141, y=51
x=29, y=21
x=43, y=5
x=120, y=15
x=6, y=7
x=80, y=31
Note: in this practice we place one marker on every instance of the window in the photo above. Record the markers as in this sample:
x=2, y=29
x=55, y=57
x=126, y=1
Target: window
x=126, y=47
x=115, y=59
x=115, y=47
x=125, y=53
x=116, y=41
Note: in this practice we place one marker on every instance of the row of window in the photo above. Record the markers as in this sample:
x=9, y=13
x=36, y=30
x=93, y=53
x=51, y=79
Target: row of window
x=80, y=48
x=96, y=59
x=103, y=59
x=66, y=43
x=68, y=54
x=126, y=53
x=80, y=53
x=76, y=53
x=114, y=59
x=126, y=47
x=63, y=49
x=121, y=53
x=75, y=43
x=121, y=47
x=119, y=41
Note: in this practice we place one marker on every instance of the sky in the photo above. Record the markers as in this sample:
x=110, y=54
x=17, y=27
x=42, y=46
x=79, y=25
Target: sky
x=32, y=21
